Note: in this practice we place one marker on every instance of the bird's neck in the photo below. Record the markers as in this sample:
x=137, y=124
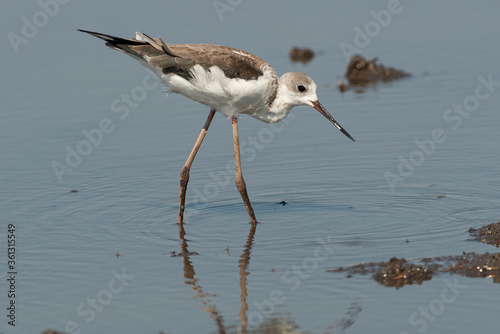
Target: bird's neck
x=281, y=105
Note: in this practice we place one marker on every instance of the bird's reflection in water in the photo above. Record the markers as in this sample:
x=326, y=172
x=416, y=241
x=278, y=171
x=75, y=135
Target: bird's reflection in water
x=243, y=265
x=209, y=307
x=277, y=323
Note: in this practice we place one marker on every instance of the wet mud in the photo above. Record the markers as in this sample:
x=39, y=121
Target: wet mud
x=400, y=272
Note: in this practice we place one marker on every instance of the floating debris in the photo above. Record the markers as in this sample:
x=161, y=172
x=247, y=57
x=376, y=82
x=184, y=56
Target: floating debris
x=474, y=265
x=342, y=86
x=398, y=272
x=304, y=55
x=175, y=254
x=489, y=233
x=395, y=273
x=361, y=72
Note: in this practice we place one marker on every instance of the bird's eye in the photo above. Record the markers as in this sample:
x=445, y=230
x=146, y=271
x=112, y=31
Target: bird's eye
x=301, y=88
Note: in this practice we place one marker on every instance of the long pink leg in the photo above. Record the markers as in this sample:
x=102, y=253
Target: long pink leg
x=240, y=183
x=189, y=162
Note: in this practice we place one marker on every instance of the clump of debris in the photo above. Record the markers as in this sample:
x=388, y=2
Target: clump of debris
x=304, y=55
x=361, y=72
x=489, y=234
x=398, y=272
x=394, y=273
x=471, y=265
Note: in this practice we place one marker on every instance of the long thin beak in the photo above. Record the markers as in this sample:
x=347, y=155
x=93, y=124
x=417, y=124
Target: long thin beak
x=325, y=113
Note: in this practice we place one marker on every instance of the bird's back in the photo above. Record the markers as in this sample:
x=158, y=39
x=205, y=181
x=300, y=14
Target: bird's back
x=229, y=80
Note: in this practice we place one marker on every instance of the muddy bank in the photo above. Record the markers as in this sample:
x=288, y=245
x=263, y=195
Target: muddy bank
x=400, y=272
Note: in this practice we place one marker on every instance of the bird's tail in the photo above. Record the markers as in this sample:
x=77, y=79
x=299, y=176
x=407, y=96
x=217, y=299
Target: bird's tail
x=151, y=52
x=118, y=43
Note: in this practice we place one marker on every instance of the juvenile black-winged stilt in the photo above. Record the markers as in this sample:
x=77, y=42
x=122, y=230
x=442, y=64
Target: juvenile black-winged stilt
x=228, y=80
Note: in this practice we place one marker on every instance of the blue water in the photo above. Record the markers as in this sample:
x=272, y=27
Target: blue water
x=341, y=208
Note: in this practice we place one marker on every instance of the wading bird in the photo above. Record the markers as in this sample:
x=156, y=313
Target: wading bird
x=227, y=80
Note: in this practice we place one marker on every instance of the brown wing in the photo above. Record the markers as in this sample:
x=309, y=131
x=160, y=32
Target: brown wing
x=235, y=63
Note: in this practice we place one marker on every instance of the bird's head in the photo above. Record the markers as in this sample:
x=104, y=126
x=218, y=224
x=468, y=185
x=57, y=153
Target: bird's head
x=299, y=89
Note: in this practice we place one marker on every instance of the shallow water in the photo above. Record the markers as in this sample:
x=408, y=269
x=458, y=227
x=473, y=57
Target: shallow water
x=340, y=208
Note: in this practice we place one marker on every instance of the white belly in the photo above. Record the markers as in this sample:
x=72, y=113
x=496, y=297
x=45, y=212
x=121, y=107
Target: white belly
x=228, y=96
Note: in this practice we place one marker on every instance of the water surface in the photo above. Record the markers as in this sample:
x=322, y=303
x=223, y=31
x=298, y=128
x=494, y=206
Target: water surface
x=341, y=209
